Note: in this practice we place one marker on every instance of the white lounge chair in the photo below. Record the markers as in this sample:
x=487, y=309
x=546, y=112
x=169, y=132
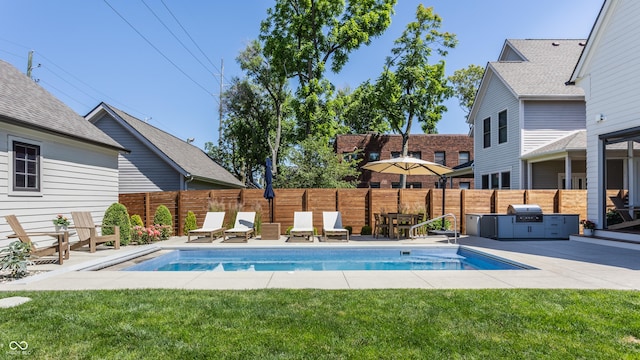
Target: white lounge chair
x=302, y=225
x=212, y=225
x=332, y=225
x=244, y=226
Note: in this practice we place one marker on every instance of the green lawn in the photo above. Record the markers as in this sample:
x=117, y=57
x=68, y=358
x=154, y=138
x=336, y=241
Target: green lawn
x=317, y=324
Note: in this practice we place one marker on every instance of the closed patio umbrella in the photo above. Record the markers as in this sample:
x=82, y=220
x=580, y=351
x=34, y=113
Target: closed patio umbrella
x=269, y=194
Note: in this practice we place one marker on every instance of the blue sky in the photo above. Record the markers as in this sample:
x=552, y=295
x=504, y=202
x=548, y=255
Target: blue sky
x=88, y=53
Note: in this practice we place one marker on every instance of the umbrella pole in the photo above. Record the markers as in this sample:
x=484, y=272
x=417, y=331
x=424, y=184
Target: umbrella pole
x=271, y=209
x=443, y=182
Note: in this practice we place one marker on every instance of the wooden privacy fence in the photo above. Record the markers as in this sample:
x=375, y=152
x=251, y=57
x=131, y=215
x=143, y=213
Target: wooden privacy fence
x=356, y=205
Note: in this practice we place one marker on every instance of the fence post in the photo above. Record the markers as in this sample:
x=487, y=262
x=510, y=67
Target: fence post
x=147, y=210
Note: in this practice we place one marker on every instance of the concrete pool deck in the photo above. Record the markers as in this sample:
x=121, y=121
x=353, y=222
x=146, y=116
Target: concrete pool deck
x=574, y=264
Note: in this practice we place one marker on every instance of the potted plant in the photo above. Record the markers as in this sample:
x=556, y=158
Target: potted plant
x=61, y=222
x=588, y=226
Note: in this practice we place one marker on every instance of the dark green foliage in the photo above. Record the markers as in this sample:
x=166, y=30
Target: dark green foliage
x=163, y=217
x=117, y=215
x=349, y=229
x=366, y=230
x=15, y=258
x=613, y=217
x=190, y=222
x=136, y=220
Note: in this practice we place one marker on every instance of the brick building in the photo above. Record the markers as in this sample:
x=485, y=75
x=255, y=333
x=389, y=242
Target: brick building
x=449, y=150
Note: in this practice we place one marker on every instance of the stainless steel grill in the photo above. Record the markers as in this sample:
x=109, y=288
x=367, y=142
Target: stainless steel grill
x=529, y=213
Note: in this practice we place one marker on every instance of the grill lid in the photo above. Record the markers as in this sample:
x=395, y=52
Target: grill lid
x=524, y=209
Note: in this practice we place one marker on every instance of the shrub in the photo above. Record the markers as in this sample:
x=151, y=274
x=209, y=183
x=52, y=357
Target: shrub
x=16, y=259
x=136, y=220
x=366, y=230
x=349, y=229
x=163, y=217
x=117, y=215
x=190, y=222
x=437, y=224
x=142, y=235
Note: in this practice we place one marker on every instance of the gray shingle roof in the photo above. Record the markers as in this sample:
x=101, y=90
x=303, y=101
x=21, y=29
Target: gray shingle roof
x=25, y=103
x=548, y=66
x=575, y=141
x=190, y=158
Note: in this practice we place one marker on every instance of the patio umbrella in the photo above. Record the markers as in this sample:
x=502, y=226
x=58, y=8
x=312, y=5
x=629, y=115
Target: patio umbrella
x=407, y=165
x=269, y=194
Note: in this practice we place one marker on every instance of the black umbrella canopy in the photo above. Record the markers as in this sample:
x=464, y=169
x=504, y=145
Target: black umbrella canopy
x=269, y=194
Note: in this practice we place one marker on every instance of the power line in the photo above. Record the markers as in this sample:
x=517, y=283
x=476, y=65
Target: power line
x=177, y=39
x=193, y=41
x=158, y=50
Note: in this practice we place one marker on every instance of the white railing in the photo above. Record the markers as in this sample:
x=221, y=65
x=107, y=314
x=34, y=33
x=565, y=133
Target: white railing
x=422, y=230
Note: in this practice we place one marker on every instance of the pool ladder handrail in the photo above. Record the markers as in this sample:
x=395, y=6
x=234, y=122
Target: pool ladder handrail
x=419, y=229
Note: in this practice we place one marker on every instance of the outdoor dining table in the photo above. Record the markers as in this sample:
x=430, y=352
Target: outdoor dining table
x=392, y=220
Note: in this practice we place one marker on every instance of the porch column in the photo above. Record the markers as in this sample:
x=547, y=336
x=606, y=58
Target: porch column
x=631, y=179
x=529, y=175
x=567, y=172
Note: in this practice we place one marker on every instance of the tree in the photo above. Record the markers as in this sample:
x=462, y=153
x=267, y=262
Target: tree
x=273, y=82
x=411, y=88
x=315, y=165
x=242, y=149
x=357, y=110
x=303, y=36
x=465, y=85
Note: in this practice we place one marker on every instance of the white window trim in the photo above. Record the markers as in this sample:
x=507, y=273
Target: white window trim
x=10, y=159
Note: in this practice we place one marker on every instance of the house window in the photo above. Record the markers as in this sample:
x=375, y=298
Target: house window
x=486, y=129
x=502, y=127
x=413, y=154
x=465, y=185
x=485, y=181
x=349, y=156
x=463, y=157
x=26, y=167
x=374, y=185
x=440, y=158
x=414, y=185
x=505, y=181
x=494, y=181
x=374, y=156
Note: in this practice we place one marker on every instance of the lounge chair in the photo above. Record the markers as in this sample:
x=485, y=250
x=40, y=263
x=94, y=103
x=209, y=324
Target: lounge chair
x=212, y=225
x=244, y=226
x=302, y=225
x=623, y=210
x=332, y=225
x=46, y=243
x=88, y=232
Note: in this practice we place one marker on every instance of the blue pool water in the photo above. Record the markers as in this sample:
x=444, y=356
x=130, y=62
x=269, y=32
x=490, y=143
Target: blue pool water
x=327, y=259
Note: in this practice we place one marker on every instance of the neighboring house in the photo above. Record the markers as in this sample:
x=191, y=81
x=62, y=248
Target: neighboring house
x=158, y=161
x=449, y=150
x=53, y=161
x=523, y=107
x=609, y=72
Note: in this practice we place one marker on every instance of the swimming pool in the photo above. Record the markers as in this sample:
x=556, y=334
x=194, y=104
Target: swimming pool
x=327, y=259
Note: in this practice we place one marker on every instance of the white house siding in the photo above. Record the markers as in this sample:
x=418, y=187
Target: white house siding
x=141, y=170
x=547, y=121
x=498, y=157
x=611, y=86
x=75, y=176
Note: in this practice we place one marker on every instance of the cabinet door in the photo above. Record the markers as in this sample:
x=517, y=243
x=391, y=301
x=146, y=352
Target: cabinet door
x=505, y=227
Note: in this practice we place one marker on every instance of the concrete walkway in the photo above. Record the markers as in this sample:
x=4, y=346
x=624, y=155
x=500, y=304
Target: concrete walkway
x=560, y=264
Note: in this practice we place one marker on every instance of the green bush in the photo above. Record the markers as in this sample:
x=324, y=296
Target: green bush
x=163, y=217
x=190, y=222
x=349, y=229
x=16, y=258
x=136, y=220
x=437, y=225
x=117, y=215
x=366, y=230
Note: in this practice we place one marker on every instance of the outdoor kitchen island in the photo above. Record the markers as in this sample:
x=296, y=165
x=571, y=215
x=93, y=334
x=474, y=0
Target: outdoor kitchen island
x=523, y=222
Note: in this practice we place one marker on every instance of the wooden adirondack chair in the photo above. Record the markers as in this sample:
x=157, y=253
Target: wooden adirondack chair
x=87, y=232
x=61, y=246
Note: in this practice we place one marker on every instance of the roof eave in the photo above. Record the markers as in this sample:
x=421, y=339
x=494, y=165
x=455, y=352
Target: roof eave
x=28, y=125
